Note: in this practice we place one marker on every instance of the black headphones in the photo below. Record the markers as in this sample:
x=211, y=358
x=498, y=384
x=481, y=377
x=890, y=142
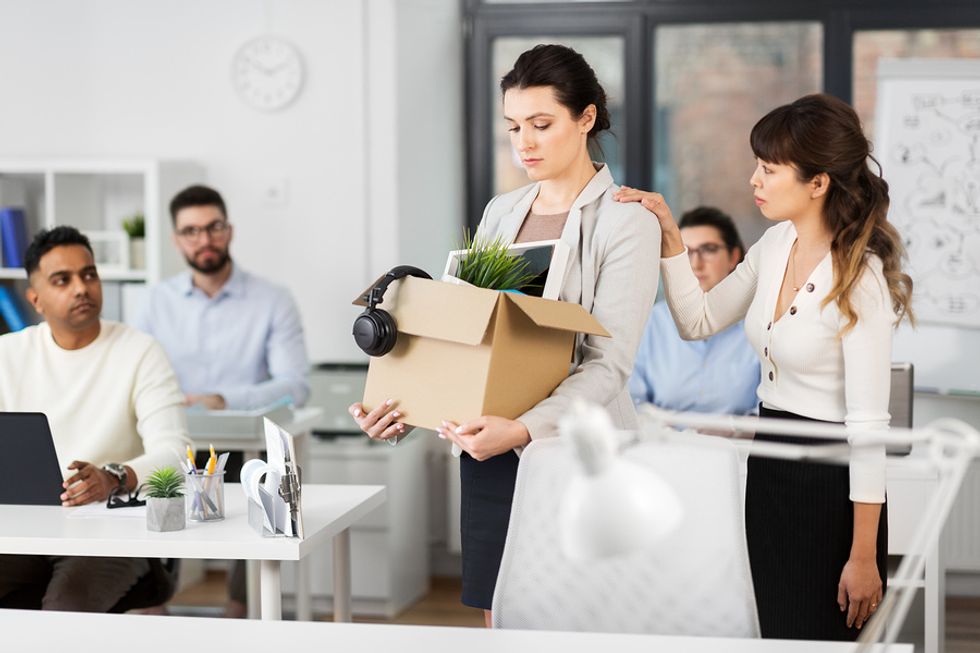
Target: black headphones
x=375, y=330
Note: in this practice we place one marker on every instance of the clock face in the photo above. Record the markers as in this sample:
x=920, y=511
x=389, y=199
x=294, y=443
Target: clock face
x=267, y=72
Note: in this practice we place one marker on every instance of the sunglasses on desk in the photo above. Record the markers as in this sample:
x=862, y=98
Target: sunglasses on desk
x=123, y=498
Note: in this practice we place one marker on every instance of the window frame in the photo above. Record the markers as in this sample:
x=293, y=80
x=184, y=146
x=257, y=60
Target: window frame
x=636, y=22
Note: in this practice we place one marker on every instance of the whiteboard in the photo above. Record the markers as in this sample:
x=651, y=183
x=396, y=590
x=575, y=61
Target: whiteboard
x=927, y=138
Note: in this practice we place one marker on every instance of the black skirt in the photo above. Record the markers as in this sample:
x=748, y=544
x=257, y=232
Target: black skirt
x=799, y=521
x=486, y=494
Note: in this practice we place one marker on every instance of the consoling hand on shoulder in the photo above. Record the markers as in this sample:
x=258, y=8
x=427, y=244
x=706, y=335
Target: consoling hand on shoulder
x=670, y=243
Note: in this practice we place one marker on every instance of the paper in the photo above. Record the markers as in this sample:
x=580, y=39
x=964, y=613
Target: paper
x=98, y=510
x=273, y=485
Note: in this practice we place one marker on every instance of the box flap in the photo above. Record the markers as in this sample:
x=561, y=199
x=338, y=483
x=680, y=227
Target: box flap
x=436, y=309
x=552, y=314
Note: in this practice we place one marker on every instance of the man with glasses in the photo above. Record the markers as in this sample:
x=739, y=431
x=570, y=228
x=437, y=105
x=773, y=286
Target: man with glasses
x=719, y=374
x=235, y=339
x=114, y=406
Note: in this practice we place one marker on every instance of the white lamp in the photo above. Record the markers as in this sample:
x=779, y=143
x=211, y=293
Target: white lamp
x=614, y=507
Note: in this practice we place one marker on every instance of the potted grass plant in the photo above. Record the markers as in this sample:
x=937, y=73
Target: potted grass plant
x=165, y=500
x=490, y=264
x=135, y=228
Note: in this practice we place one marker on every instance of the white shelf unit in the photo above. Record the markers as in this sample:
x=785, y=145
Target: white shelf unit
x=95, y=195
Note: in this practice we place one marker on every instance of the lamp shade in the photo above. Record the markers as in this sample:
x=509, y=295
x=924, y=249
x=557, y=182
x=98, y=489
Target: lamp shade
x=611, y=507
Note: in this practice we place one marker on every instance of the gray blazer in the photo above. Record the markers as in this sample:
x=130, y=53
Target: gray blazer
x=613, y=272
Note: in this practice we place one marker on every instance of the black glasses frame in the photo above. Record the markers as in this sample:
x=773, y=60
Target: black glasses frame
x=132, y=500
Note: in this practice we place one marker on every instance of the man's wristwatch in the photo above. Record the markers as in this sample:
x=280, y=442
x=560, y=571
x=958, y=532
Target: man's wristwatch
x=118, y=471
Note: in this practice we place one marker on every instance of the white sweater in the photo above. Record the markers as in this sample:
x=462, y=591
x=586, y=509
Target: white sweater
x=807, y=368
x=115, y=400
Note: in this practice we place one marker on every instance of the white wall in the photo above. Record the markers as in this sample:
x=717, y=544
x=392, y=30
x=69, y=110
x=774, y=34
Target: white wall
x=110, y=78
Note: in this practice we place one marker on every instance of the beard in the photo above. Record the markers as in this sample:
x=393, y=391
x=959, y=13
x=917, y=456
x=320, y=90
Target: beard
x=212, y=265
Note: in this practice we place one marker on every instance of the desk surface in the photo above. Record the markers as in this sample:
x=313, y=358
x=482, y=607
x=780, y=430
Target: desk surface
x=66, y=630
x=48, y=530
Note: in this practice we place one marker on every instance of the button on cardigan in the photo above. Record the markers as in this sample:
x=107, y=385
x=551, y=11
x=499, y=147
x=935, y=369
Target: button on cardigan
x=808, y=368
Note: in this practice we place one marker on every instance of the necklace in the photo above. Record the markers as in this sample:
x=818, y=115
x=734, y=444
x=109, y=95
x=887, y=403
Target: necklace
x=792, y=263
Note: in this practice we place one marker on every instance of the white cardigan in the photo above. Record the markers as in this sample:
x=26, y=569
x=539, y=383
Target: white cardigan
x=807, y=367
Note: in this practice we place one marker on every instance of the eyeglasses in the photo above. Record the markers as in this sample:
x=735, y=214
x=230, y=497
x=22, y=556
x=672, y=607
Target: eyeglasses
x=132, y=499
x=706, y=251
x=215, y=229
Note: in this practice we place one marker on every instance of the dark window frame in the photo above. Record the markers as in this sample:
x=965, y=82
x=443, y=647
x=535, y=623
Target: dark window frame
x=636, y=22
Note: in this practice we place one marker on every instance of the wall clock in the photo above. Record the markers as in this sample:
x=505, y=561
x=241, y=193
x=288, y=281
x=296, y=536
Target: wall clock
x=267, y=73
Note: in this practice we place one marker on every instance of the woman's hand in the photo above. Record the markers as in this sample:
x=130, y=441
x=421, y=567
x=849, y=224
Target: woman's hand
x=380, y=423
x=670, y=243
x=487, y=436
x=859, y=591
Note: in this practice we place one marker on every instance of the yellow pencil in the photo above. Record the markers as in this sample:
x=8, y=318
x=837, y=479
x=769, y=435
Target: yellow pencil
x=212, y=461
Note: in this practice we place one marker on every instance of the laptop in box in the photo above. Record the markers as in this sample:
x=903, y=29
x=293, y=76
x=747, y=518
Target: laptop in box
x=29, y=469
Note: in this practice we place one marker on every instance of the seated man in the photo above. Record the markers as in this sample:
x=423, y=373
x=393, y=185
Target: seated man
x=113, y=404
x=235, y=339
x=719, y=374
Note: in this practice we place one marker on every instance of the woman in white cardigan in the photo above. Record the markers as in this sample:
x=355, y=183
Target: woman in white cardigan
x=820, y=294
x=554, y=108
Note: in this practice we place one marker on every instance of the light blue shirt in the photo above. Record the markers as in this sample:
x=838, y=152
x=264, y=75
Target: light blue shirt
x=716, y=375
x=245, y=343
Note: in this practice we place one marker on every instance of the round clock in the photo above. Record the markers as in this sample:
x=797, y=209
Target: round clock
x=267, y=73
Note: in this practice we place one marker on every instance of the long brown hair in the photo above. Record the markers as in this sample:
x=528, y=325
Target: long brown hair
x=822, y=134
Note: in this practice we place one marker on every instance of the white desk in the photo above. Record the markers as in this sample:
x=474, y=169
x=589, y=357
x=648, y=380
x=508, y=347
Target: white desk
x=72, y=631
x=328, y=512
x=251, y=445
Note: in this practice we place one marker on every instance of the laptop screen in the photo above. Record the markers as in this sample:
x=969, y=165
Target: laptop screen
x=29, y=470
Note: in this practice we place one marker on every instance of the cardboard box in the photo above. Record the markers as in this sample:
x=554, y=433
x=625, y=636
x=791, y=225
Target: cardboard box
x=463, y=351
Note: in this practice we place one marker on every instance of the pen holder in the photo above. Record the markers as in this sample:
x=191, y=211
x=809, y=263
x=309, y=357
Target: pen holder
x=205, y=496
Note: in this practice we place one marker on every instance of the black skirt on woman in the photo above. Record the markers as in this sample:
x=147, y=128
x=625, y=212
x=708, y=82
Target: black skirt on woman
x=799, y=521
x=486, y=494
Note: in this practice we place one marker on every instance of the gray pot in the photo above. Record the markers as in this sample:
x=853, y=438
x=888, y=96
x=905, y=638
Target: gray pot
x=165, y=514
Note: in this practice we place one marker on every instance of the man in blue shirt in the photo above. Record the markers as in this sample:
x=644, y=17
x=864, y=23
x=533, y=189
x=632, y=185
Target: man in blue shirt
x=719, y=374
x=235, y=340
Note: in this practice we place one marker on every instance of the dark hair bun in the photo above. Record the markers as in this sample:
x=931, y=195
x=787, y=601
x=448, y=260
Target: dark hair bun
x=566, y=71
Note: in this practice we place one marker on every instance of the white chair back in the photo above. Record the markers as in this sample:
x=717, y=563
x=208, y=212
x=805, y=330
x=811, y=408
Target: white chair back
x=695, y=582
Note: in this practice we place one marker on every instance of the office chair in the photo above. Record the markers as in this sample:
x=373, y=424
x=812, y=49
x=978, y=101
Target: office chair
x=695, y=582
x=155, y=587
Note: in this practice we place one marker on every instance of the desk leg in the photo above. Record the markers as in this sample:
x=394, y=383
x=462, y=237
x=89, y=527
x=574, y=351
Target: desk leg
x=252, y=588
x=935, y=600
x=252, y=594
x=304, y=601
x=341, y=576
x=304, y=604
x=271, y=591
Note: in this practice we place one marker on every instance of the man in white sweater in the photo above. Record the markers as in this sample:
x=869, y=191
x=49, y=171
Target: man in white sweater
x=113, y=403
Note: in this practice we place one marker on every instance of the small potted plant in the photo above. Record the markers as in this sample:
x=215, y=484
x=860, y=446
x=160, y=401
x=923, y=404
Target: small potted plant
x=135, y=228
x=165, y=500
x=490, y=264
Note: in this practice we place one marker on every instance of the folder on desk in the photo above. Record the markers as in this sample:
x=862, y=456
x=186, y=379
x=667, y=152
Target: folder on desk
x=272, y=488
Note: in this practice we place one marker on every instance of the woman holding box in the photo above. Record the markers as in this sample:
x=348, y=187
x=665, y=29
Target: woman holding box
x=820, y=294
x=554, y=108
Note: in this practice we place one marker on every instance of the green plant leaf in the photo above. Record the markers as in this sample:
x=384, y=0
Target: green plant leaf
x=489, y=264
x=165, y=483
